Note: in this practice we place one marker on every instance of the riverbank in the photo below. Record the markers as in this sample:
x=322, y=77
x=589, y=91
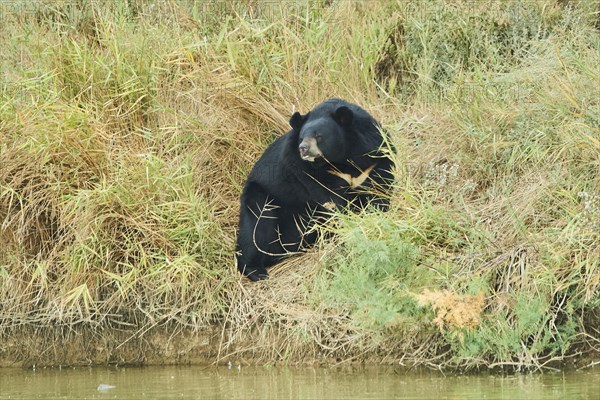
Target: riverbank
x=127, y=130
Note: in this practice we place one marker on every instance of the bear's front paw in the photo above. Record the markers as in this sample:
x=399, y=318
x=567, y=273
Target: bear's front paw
x=258, y=275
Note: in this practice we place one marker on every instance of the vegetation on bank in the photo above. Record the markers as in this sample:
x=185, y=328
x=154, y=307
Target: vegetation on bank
x=127, y=129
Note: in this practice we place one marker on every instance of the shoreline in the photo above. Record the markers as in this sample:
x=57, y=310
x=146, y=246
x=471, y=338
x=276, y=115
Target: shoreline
x=160, y=347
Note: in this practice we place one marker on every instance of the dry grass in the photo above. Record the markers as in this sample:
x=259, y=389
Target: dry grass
x=127, y=130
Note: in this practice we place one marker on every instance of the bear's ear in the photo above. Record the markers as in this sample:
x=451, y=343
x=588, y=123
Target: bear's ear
x=297, y=121
x=344, y=116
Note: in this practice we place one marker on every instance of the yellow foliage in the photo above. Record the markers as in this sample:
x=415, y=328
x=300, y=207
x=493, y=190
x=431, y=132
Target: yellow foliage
x=453, y=310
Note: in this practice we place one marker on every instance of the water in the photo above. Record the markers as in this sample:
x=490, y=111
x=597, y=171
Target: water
x=288, y=383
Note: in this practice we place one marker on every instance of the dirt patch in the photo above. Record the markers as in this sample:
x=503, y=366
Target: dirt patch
x=85, y=346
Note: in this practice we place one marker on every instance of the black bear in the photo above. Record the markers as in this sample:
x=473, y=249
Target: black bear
x=334, y=156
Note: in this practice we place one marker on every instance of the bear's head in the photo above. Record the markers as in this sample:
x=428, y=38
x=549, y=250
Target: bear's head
x=323, y=133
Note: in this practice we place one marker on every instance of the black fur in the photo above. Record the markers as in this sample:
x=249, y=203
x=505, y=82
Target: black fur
x=283, y=192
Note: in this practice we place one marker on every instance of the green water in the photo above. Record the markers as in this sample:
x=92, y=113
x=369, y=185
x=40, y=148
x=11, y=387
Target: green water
x=289, y=383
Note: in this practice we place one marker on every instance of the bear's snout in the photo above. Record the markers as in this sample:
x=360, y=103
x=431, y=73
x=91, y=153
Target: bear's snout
x=309, y=150
x=303, y=149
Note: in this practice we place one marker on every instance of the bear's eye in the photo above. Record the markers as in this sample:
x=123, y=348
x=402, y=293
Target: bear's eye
x=318, y=136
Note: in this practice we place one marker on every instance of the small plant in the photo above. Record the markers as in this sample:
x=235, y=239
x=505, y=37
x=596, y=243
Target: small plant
x=453, y=312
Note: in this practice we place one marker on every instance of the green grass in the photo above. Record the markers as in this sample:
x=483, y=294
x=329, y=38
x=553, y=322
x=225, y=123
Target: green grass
x=127, y=130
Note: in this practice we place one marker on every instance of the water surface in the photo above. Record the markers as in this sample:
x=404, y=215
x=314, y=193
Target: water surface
x=289, y=383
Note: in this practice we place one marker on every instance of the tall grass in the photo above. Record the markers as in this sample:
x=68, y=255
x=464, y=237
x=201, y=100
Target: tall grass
x=127, y=130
